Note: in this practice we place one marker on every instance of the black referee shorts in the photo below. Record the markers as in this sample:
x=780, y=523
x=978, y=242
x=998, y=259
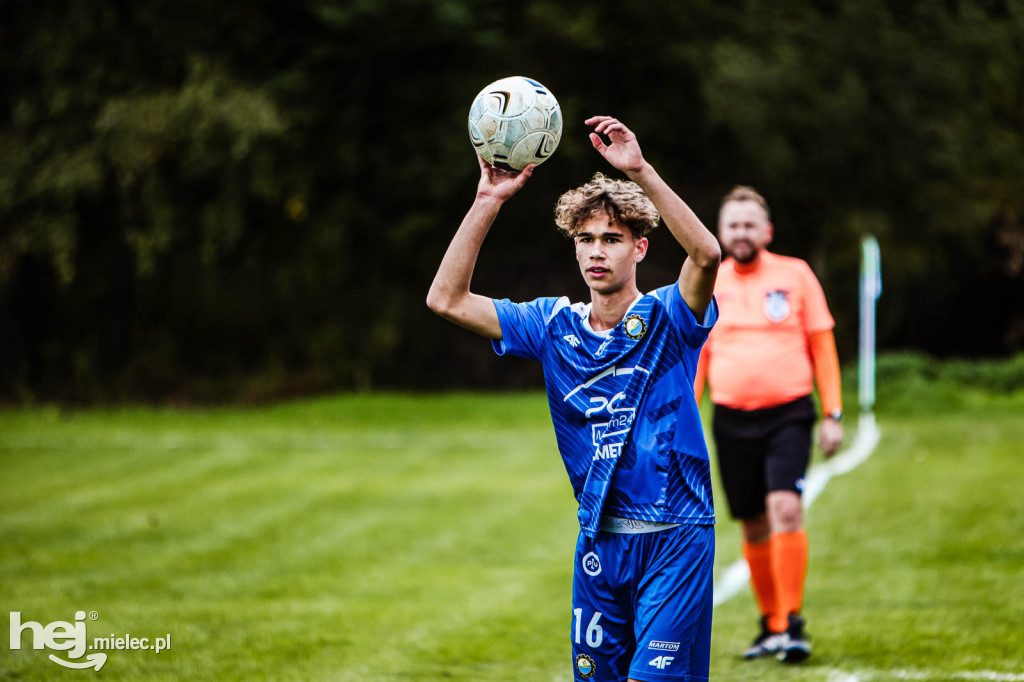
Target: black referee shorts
x=762, y=451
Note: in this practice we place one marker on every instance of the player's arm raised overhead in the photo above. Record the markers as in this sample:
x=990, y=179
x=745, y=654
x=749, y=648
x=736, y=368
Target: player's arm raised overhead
x=697, y=278
x=449, y=294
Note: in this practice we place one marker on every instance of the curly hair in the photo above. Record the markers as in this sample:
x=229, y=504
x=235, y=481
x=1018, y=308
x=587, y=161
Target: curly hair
x=622, y=200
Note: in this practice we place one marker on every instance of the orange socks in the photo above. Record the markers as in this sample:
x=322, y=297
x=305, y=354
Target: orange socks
x=759, y=559
x=789, y=568
x=778, y=570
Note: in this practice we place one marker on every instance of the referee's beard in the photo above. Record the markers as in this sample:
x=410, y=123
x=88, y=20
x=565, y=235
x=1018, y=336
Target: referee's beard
x=746, y=254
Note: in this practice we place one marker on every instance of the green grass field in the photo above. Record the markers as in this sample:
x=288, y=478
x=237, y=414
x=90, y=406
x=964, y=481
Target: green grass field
x=398, y=537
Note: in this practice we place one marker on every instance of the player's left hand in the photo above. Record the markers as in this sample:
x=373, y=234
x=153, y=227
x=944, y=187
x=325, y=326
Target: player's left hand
x=624, y=151
x=830, y=436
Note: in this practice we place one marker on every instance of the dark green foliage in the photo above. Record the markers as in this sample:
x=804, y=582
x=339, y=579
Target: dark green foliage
x=242, y=199
x=912, y=383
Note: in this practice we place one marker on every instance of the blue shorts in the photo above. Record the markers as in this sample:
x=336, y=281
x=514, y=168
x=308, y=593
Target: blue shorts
x=642, y=605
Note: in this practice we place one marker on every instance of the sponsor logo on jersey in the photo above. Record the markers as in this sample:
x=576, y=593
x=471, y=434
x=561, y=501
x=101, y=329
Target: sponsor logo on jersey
x=635, y=327
x=591, y=564
x=663, y=646
x=572, y=340
x=619, y=421
x=776, y=305
x=607, y=451
x=585, y=666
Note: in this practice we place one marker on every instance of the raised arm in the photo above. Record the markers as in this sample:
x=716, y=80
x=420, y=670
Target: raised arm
x=697, y=278
x=449, y=294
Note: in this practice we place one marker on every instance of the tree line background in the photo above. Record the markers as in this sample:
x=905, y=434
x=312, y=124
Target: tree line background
x=238, y=200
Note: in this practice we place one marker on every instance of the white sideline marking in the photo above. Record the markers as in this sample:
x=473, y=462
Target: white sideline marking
x=986, y=675
x=737, y=575
x=840, y=676
x=959, y=675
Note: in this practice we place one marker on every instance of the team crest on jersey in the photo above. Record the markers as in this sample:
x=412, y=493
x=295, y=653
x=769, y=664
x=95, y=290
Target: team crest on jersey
x=776, y=305
x=635, y=327
x=585, y=666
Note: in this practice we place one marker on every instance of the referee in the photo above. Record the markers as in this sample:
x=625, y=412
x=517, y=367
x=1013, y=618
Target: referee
x=773, y=338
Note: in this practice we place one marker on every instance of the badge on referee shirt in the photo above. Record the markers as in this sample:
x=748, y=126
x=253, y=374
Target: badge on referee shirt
x=776, y=305
x=635, y=327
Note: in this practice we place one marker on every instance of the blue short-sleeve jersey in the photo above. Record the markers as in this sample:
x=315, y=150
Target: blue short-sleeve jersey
x=622, y=403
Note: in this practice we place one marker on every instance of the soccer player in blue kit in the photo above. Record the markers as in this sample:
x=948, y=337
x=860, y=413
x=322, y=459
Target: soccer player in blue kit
x=619, y=374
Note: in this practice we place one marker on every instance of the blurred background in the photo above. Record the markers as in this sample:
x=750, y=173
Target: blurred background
x=248, y=200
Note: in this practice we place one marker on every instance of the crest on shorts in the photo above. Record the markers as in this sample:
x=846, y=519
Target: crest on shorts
x=585, y=666
x=776, y=305
x=635, y=327
x=591, y=564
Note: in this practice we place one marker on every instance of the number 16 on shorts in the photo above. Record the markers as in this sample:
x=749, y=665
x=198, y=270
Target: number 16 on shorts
x=595, y=633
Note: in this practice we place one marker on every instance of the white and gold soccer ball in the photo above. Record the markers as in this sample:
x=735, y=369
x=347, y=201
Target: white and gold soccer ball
x=514, y=122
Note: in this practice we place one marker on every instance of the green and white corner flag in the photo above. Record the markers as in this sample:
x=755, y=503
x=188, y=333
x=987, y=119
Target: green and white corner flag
x=870, y=290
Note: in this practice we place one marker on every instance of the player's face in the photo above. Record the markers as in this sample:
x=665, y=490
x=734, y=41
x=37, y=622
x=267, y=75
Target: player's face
x=608, y=253
x=743, y=230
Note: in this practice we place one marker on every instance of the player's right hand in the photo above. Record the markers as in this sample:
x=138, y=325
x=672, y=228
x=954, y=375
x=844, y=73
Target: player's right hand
x=830, y=437
x=498, y=183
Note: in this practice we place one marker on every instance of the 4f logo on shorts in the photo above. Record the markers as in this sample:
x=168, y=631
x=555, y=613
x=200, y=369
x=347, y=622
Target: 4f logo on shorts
x=591, y=564
x=776, y=305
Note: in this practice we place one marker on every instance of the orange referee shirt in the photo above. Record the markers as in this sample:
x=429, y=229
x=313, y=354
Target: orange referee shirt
x=758, y=353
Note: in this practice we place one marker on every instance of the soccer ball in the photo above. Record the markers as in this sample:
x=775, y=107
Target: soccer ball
x=514, y=122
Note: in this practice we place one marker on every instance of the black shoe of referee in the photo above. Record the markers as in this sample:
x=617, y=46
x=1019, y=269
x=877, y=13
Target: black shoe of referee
x=767, y=643
x=796, y=645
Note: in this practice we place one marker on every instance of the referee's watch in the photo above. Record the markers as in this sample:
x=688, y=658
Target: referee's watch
x=836, y=415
